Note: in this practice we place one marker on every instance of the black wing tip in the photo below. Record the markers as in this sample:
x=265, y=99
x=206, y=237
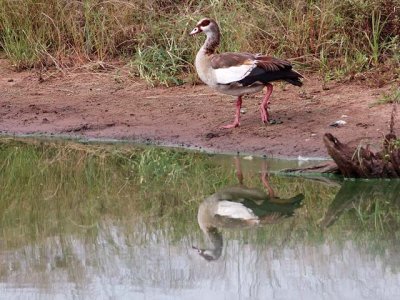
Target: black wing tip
x=295, y=81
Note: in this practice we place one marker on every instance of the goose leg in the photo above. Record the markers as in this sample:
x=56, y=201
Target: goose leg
x=236, y=122
x=264, y=104
x=239, y=173
x=265, y=181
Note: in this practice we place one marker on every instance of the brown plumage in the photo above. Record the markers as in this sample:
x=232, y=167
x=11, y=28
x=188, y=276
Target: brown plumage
x=238, y=74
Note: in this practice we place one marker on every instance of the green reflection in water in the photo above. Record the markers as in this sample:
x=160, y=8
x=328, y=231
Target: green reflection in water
x=49, y=188
x=55, y=193
x=53, y=187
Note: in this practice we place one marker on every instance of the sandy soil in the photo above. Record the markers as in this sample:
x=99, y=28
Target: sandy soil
x=102, y=105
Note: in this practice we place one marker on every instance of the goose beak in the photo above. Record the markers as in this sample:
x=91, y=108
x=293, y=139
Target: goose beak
x=200, y=251
x=195, y=31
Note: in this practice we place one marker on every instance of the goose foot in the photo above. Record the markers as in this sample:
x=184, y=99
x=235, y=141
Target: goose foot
x=265, y=103
x=264, y=115
x=233, y=125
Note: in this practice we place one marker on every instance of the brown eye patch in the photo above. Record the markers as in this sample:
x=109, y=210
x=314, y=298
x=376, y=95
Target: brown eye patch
x=205, y=23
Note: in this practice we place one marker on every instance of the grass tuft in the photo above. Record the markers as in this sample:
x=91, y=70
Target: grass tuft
x=392, y=96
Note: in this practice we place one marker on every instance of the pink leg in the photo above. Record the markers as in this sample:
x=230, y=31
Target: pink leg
x=265, y=181
x=264, y=104
x=236, y=123
x=239, y=173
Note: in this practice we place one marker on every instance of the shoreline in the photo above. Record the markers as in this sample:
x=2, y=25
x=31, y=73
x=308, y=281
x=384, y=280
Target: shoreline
x=151, y=143
x=93, y=106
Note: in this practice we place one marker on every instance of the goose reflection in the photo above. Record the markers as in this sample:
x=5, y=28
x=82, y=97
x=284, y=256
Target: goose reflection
x=241, y=207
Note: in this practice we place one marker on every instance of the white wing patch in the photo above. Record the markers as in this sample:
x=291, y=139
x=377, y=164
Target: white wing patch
x=232, y=74
x=235, y=210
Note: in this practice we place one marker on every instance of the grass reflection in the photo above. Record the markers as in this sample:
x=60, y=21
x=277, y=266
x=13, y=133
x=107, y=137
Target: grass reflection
x=58, y=188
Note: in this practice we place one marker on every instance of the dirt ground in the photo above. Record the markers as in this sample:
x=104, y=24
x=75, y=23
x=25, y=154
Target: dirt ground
x=104, y=105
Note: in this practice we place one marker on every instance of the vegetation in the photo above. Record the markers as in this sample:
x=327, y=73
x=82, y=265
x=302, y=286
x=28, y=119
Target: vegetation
x=333, y=37
x=47, y=187
x=72, y=214
x=63, y=188
x=392, y=96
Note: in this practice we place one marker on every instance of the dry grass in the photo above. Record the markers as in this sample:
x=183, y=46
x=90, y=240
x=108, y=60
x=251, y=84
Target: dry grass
x=333, y=37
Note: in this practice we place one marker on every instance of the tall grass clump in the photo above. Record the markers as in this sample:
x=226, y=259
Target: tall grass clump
x=333, y=37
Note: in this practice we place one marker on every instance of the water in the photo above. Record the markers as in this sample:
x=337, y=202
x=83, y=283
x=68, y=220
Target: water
x=114, y=222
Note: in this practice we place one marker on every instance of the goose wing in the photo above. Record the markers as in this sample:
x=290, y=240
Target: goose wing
x=232, y=67
x=245, y=68
x=241, y=193
x=271, y=69
x=234, y=210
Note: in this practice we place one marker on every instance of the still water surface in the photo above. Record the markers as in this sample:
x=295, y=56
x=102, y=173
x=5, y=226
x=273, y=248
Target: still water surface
x=82, y=223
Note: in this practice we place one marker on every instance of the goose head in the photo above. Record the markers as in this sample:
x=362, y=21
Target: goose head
x=214, y=252
x=209, y=254
x=206, y=25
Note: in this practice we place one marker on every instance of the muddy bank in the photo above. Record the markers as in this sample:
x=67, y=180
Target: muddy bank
x=103, y=106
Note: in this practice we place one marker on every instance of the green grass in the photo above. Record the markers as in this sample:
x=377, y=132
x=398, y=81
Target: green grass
x=61, y=188
x=159, y=65
x=375, y=40
x=392, y=96
x=48, y=186
x=333, y=37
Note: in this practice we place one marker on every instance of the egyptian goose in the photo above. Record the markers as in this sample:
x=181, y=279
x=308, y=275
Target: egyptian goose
x=241, y=207
x=238, y=74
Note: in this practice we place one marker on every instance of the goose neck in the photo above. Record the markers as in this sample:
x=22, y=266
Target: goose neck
x=212, y=42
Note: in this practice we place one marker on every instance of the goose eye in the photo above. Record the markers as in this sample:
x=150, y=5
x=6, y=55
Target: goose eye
x=205, y=23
